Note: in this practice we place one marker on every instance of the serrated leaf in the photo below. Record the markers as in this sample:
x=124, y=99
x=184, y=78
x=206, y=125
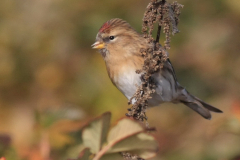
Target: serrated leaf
x=94, y=135
x=114, y=156
x=123, y=129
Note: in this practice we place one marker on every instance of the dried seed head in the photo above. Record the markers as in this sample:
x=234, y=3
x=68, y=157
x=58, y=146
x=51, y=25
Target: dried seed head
x=167, y=16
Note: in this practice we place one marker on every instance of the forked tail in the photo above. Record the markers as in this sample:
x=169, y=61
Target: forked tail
x=201, y=107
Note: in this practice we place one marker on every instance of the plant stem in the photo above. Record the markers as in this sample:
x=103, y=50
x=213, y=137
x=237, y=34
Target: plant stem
x=159, y=26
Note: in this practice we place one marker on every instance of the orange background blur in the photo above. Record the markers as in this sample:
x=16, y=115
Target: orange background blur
x=52, y=82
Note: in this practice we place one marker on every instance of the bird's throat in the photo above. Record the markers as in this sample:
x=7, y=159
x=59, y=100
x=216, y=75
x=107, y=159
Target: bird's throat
x=103, y=52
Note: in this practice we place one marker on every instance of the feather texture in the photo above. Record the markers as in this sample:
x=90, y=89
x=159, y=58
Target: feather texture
x=122, y=57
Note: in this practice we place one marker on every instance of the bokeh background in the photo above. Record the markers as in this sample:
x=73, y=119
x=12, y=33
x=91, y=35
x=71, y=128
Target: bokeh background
x=52, y=82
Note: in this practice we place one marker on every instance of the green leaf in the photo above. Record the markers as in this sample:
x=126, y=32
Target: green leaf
x=128, y=136
x=84, y=155
x=106, y=119
x=123, y=129
x=141, y=144
x=114, y=156
x=94, y=135
x=140, y=141
x=145, y=154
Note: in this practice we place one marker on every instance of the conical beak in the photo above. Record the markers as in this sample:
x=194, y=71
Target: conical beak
x=98, y=45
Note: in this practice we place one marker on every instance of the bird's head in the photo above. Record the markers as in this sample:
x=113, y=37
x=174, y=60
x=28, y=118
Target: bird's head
x=117, y=37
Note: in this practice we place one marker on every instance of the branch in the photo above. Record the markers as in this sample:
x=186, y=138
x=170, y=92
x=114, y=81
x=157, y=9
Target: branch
x=160, y=26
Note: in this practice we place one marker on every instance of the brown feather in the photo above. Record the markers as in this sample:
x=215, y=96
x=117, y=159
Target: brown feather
x=123, y=57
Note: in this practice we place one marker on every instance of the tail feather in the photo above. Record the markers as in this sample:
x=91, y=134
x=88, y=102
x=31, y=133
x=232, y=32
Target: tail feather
x=208, y=106
x=200, y=106
x=184, y=96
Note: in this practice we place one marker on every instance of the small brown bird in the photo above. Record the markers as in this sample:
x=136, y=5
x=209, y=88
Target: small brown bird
x=119, y=45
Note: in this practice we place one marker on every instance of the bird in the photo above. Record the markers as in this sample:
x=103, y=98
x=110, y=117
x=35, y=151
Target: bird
x=119, y=45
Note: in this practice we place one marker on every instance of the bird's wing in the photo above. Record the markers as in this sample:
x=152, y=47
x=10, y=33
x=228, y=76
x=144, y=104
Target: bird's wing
x=167, y=86
x=171, y=69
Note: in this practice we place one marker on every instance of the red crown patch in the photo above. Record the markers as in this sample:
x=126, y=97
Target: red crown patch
x=104, y=27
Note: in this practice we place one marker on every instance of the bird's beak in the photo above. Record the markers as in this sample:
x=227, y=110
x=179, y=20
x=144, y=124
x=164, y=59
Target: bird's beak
x=98, y=45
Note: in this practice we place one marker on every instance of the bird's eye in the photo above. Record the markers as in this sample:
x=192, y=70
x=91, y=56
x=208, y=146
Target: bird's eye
x=111, y=37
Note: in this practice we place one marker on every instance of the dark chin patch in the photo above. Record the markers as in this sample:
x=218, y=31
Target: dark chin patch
x=103, y=52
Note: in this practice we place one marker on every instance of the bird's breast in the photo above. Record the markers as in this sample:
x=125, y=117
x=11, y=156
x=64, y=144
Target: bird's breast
x=127, y=81
x=124, y=77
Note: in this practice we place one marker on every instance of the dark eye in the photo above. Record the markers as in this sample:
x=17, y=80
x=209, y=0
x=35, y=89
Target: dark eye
x=111, y=37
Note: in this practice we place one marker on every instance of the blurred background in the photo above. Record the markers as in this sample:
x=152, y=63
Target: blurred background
x=52, y=82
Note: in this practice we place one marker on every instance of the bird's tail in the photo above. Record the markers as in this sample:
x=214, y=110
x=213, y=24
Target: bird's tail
x=200, y=107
